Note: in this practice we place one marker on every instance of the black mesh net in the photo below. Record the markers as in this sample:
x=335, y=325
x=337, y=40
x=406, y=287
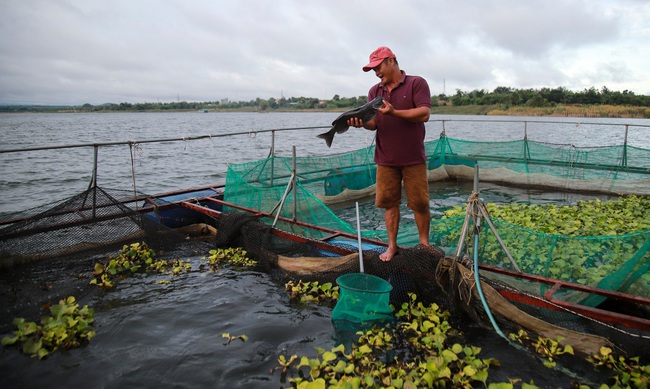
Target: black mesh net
x=411, y=270
x=96, y=220
x=433, y=277
x=48, y=253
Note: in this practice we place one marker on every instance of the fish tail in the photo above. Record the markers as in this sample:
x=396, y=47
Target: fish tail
x=328, y=136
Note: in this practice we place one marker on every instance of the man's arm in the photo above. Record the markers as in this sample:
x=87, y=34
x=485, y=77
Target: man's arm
x=419, y=114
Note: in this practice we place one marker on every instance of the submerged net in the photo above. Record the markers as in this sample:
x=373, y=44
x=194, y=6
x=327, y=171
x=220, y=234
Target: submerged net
x=426, y=272
x=49, y=253
x=294, y=258
x=90, y=223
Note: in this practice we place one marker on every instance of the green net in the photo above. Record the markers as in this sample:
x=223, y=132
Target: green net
x=613, y=262
x=618, y=262
x=612, y=169
x=363, y=298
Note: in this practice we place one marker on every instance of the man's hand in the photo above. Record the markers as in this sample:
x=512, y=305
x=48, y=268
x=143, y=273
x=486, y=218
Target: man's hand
x=419, y=114
x=355, y=122
x=386, y=108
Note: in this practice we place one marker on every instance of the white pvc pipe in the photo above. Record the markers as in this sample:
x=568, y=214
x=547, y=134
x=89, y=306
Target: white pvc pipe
x=359, y=239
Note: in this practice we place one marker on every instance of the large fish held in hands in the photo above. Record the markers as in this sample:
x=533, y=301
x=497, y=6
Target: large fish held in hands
x=365, y=112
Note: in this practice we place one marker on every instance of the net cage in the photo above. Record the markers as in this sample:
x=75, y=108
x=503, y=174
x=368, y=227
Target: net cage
x=617, y=263
x=428, y=273
x=613, y=262
x=73, y=234
x=323, y=182
x=97, y=222
x=49, y=252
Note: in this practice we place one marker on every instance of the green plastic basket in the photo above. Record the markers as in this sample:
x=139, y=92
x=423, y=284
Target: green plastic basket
x=363, y=298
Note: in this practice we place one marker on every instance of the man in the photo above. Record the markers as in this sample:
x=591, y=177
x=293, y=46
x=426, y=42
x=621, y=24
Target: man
x=399, y=152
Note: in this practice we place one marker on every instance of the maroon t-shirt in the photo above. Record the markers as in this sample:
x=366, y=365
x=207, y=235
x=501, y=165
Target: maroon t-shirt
x=401, y=142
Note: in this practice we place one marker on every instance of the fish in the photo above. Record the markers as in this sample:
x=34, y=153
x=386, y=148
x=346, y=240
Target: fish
x=340, y=125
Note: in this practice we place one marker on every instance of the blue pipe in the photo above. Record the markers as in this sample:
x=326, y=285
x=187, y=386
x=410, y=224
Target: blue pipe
x=480, y=291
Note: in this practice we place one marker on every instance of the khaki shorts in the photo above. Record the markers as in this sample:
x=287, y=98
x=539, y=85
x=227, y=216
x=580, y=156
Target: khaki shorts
x=416, y=186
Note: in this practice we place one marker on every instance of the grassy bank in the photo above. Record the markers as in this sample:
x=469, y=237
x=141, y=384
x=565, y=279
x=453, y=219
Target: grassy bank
x=595, y=111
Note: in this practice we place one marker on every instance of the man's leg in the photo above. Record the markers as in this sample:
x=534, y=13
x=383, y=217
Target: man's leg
x=423, y=221
x=416, y=186
x=391, y=216
x=389, y=197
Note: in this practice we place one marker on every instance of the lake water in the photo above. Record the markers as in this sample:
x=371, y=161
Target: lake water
x=33, y=178
x=152, y=335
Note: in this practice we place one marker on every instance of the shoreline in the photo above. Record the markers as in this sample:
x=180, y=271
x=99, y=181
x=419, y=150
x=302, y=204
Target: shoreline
x=579, y=111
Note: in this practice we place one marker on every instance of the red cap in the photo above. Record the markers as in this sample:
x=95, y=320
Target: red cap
x=377, y=56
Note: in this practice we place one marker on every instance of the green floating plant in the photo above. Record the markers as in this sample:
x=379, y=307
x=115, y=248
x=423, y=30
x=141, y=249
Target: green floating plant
x=313, y=292
x=416, y=353
x=622, y=215
x=134, y=258
x=628, y=372
x=233, y=255
x=68, y=327
x=548, y=348
x=549, y=242
x=230, y=338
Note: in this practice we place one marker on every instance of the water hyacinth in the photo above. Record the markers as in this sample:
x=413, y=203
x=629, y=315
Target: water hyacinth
x=68, y=327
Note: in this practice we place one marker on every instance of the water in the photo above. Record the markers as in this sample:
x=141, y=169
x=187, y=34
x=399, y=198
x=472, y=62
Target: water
x=152, y=335
x=34, y=178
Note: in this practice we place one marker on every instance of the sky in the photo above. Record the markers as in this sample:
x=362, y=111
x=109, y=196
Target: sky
x=73, y=52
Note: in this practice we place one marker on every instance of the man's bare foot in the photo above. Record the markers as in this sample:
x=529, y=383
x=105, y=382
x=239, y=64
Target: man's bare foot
x=388, y=255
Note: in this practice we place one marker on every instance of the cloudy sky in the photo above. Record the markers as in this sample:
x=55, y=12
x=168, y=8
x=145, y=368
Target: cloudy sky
x=101, y=51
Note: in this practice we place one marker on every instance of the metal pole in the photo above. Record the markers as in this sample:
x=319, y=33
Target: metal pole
x=463, y=233
x=501, y=242
x=526, y=147
x=295, y=188
x=281, y=203
x=94, y=181
x=359, y=240
x=525, y=130
x=475, y=209
x=272, y=155
x=131, y=146
x=290, y=185
x=624, y=162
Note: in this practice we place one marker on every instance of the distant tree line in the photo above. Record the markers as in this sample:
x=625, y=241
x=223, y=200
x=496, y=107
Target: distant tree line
x=546, y=97
x=503, y=96
x=257, y=104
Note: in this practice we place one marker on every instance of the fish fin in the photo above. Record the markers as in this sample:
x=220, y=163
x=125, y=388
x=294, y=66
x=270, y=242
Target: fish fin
x=341, y=127
x=328, y=136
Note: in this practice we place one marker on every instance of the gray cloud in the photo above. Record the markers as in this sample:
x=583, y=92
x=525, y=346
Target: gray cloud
x=78, y=51
x=530, y=29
